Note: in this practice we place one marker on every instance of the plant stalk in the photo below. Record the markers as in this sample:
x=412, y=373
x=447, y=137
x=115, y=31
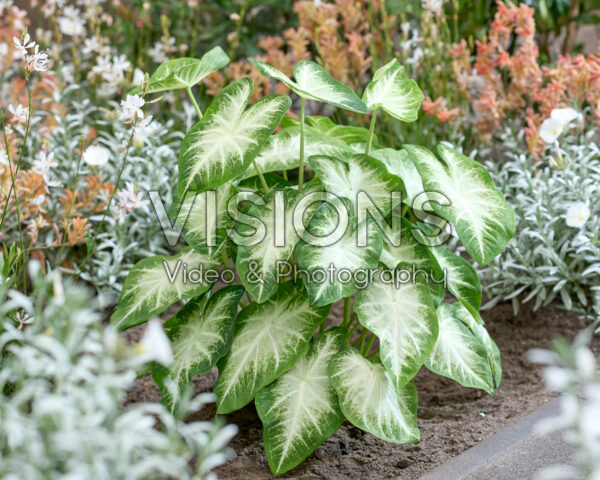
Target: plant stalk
x=301, y=165
x=371, y=130
x=194, y=102
x=260, y=175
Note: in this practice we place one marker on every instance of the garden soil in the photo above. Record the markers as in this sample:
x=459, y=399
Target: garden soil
x=451, y=418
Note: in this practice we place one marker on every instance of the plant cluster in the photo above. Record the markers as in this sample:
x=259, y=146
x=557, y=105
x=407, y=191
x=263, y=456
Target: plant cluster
x=555, y=255
x=235, y=185
x=572, y=370
x=63, y=381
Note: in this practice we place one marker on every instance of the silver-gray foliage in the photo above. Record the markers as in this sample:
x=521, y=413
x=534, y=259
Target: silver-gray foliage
x=63, y=381
x=548, y=260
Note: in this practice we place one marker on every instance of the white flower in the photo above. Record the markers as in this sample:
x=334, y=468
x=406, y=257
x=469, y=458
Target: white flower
x=22, y=47
x=553, y=127
x=3, y=158
x=131, y=108
x=433, y=6
x=143, y=131
x=155, y=345
x=138, y=76
x=19, y=113
x=72, y=23
x=551, y=130
x=38, y=62
x=577, y=215
x=96, y=156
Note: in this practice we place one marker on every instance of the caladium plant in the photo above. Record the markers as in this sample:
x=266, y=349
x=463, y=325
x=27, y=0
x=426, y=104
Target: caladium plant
x=361, y=231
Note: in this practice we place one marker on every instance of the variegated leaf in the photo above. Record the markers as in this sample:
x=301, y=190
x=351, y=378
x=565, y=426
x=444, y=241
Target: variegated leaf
x=404, y=319
x=394, y=92
x=461, y=278
x=482, y=218
x=156, y=282
x=369, y=399
x=329, y=271
x=477, y=327
x=314, y=83
x=459, y=354
x=205, y=220
x=300, y=409
x=268, y=339
x=261, y=266
x=228, y=137
x=281, y=151
x=398, y=163
x=362, y=174
x=200, y=335
x=185, y=72
x=347, y=133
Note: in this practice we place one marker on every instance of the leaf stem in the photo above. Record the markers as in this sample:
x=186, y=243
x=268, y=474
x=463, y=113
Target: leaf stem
x=369, y=344
x=301, y=165
x=260, y=175
x=225, y=258
x=346, y=322
x=194, y=102
x=361, y=339
x=371, y=130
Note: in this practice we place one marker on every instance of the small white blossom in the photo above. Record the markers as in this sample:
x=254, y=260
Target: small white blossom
x=577, y=215
x=38, y=62
x=131, y=108
x=4, y=158
x=71, y=22
x=143, y=131
x=19, y=114
x=559, y=119
x=138, y=76
x=96, y=156
x=22, y=46
x=155, y=345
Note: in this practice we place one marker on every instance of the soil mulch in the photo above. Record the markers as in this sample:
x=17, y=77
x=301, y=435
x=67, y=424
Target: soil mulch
x=452, y=418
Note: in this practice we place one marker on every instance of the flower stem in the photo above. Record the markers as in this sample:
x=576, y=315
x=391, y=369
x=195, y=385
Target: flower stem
x=301, y=165
x=346, y=322
x=194, y=102
x=371, y=130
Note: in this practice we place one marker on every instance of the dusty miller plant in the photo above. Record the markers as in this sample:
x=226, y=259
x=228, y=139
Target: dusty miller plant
x=305, y=375
x=549, y=260
x=63, y=380
x=572, y=370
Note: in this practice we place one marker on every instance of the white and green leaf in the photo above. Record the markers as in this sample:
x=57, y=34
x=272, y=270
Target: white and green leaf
x=459, y=354
x=347, y=133
x=369, y=400
x=398, y=163
x=281, y=151
x=322, y=265
x=185, y=72
x=268, y=339
x=362, y=174
x=395, y=93
x=200, y=335
x=461, y=278
x=300, y=410
x=228, y=137
x=260, y=267
x=404, y=319
x=156, y=282
x=482, y=218
x=314, y=83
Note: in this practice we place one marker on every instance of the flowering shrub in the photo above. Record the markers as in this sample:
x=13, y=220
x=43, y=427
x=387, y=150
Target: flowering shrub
x=572, y=370
x=555, y=255
x=63, y=381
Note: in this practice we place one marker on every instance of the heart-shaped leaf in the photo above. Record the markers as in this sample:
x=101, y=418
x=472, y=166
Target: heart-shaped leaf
x=334, y=271
x=346, y=133
x=314, y=83
x=362, y=175
x=184, y=72
x=459, y=354
x=200, y=335
x=398, y=163
x=268, y=339
x=404, y=319
x=228, y=137
x=281, y=150
x=261, y=267
x=482, y=218
x=370, y=401
x=461, y=278
x=156, y=282
x=394, y=92
x=300, y=409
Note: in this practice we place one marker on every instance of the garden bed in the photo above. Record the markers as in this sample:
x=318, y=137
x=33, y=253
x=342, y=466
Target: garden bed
x=451, y=418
